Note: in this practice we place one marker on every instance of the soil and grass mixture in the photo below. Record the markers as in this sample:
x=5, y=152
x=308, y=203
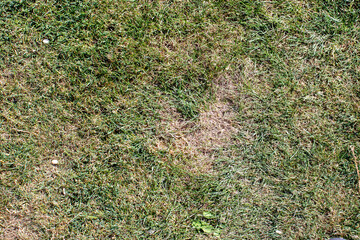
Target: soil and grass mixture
x=219, y=119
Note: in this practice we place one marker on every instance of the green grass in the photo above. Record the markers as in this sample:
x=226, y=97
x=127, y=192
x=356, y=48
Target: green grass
x=93, y=99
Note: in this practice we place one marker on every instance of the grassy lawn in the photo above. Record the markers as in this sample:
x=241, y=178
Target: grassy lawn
x=221, y=119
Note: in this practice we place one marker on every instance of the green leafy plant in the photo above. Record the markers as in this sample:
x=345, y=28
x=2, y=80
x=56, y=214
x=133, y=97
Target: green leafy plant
x=206, y=227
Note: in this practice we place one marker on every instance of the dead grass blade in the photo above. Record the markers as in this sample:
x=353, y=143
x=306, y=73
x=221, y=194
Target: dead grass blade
x=356, y=164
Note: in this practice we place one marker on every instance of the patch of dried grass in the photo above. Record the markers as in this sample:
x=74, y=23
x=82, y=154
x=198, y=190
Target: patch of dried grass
x=200, y=140
x=17, y=226
x=29, y=217
x=4, y=76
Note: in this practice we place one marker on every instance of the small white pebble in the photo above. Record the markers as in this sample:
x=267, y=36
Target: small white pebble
x=278, y=232
x=55, y=162
x=46, y=41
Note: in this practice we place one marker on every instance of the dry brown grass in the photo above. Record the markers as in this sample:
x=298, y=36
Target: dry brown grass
x=4, y=76
x=29, y=217
x=199, y=140
x=17, y=226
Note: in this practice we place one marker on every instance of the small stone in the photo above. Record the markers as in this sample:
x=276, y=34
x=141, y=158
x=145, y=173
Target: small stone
x=55, y=162
x=278, y=232
x=46, y=41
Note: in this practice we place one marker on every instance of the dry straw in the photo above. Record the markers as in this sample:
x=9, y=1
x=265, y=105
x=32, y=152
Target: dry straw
x=356, y=164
